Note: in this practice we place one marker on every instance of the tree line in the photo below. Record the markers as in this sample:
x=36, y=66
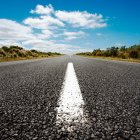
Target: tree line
x=120, y=52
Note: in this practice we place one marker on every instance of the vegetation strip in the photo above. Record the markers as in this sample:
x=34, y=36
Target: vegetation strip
x=131, y=54
x=14, y=53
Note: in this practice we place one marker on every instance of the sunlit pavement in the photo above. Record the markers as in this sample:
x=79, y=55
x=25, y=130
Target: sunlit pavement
x=69, y=97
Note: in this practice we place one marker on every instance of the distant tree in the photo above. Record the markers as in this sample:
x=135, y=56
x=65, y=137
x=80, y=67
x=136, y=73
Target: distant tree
x=16, y=47
x=35, y=51
x=123, y=48
x=113, y=51
x=97, y=52
x=49, y=53
x=107, y=52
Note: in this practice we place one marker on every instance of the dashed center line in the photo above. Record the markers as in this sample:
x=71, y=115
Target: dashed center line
x=70, y=110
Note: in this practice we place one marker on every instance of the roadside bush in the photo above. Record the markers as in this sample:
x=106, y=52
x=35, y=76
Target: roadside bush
x=29, y=53
x=34, y=51
x=20, y=54
x=106, y=53
x=14, y=55
x=89, y=53
x=6, y=49
x=122, y=52
x=16, y=51
x=15, y=47
x=122, y=55
x=2, y=53
x=133, y=54
x=57, y=53
x=113, y=51
x=123, y=48
x=99, y=53
x=49, y=53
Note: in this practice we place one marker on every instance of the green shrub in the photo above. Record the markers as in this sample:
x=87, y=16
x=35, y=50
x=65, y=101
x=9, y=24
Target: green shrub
x=14, y=55
x=15, y=47
x=21, y=54
x=34, y=51
x=2, y=53
x=133, y=54
x=122, y=52
x=123, y=49
x=6, y=49
x=99, y=53
x=113, y=51
x=122, y=55
x=106, y=53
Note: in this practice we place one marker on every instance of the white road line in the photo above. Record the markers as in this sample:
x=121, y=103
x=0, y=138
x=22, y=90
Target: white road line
x=71, y=103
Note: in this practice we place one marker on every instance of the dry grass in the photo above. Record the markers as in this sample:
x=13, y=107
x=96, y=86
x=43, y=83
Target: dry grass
x=24, y=58
x=113, y=58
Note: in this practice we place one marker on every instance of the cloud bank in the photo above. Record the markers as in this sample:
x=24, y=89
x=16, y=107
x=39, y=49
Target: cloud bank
x=45, y=29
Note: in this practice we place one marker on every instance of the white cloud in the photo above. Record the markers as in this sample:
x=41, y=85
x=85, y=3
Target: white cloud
x=43, y=22
x=73, y=35
x=12, y=30
x=50, y=24
x=13, y=33
x=81, y=19
x=9, y=43
x=51, y=46
x=45, y=34
x=40, y=9
x=49, y=16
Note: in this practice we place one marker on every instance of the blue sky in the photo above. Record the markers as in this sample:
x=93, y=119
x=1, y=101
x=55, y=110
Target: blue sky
x=69, y=26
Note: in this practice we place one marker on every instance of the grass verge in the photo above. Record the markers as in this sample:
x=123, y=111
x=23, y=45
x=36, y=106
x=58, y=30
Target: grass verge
x=113, y=58
x=6, y=59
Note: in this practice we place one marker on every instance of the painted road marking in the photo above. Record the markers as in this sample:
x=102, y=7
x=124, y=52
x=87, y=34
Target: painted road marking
x=71, y=103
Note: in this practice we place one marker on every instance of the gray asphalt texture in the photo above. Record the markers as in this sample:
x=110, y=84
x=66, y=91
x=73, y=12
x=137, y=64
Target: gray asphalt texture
x=29, y=93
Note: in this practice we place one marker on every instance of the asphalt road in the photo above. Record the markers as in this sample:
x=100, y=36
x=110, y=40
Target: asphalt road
x=30, y=91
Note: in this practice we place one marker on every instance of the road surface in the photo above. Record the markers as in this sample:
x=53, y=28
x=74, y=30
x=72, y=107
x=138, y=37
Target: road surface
x=69, y=98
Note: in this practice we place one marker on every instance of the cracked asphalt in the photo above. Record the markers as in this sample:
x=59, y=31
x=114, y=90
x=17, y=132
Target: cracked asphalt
x=29, y=93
